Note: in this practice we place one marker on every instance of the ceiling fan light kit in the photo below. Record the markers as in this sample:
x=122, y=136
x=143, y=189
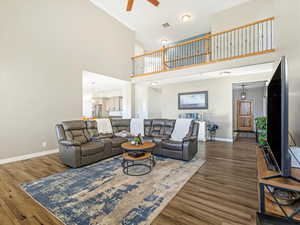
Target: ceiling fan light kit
x=186, y=18
x=130, y=4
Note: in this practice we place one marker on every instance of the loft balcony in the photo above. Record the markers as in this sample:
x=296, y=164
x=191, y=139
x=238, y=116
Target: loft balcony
x=248, y=40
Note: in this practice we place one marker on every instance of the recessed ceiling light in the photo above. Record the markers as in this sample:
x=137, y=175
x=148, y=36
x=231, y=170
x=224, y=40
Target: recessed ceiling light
x=186, y=18
x=164, y=43
x=155, y=83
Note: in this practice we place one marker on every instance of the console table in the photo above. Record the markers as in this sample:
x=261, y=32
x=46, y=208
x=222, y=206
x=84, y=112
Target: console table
x=266, y=206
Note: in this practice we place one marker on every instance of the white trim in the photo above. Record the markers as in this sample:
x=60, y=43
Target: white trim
x=28, y=156
x=224, y=139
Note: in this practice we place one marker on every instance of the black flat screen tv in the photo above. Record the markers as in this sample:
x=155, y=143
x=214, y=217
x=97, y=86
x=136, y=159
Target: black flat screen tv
x=277, y=118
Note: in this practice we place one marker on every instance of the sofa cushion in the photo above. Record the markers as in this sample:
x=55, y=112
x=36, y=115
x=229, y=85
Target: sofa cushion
x=147, y=127
x=169, y=127
x=116, y=142
x=74, y=125
x=105, y=136
x=92, y=148
x=148, y=139
x=172, y=145
x=157, y=127
x=194, y=129
x=75, y=130
x=120, y=125
x=91, y=126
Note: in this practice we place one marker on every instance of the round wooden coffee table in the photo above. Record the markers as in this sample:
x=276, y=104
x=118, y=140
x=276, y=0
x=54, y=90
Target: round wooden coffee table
x=138, y=163
x=146, y=146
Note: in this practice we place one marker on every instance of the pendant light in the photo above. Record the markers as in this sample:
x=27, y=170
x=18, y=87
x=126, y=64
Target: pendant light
x=243, y=93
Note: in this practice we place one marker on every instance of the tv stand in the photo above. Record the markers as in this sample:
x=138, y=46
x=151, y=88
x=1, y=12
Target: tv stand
x=271, y=164
x=268, y=179
x=280, y=176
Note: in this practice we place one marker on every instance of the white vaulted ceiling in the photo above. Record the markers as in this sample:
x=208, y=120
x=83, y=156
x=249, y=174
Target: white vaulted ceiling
x=146, y=20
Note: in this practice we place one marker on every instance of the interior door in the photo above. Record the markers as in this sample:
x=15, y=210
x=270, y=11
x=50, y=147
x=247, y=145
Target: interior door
x=245, y=115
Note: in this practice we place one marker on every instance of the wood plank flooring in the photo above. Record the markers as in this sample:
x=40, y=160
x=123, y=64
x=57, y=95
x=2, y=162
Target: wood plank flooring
x=222, y=192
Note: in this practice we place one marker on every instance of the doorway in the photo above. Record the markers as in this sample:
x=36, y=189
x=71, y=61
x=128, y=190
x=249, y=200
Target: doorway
x=105, y=97
x=249, y=103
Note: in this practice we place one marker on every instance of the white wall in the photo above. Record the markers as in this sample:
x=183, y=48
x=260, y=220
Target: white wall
x=242, y=14
x=45, y=46
x=147, y=102
x=127, y=93
x=220, y=99
x=141, y=101
x=287, y=38
x=155, y=107
x=138, y=48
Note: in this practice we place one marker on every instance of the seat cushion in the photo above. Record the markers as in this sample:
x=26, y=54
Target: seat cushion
x=172, y=145
x=148, y=138
x=92, y=148
x=105, y=135
x=163, y=137
x=116, y=142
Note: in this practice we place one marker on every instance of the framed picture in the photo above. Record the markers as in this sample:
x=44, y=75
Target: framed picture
x=193, y=100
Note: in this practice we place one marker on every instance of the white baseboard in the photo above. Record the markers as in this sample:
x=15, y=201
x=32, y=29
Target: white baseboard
x=224, y=139
x=29, y=156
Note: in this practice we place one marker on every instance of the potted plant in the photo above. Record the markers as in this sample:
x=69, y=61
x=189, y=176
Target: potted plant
x=137, y=140
x=261, y=129
x=212, y=130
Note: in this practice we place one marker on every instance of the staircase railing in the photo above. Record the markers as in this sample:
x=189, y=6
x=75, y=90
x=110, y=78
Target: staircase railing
x=244, y=41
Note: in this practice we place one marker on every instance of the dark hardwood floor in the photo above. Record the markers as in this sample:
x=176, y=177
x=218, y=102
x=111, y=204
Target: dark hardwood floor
x=222, y=192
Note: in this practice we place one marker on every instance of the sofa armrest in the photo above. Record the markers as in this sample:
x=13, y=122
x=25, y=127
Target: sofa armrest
x=189, y=147
x=190, y=138
x=70, y=143
x=70, y=155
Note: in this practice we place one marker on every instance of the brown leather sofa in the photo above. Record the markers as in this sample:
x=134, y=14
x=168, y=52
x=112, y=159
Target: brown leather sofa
x=80, y=143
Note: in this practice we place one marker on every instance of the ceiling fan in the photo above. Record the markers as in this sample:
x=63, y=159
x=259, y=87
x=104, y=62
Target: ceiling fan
x=130, y=4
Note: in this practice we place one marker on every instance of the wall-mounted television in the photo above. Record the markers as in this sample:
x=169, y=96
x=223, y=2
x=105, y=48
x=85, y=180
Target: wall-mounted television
x=278, y=118
x=193, y=100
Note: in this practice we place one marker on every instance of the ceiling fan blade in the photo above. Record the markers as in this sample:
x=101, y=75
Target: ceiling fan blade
x=129, y=5
x=154, y=2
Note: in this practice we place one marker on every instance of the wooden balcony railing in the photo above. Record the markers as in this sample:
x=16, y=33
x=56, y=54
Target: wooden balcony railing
x=248, y=40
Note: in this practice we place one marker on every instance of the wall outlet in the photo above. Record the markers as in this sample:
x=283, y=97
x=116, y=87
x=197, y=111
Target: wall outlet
x=44, y=144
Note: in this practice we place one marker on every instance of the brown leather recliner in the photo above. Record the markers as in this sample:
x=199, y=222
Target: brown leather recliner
x=183, y=150
x=77, y=147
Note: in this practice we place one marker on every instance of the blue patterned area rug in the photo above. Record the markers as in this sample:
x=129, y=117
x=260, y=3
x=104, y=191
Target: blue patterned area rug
x=102, y=194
